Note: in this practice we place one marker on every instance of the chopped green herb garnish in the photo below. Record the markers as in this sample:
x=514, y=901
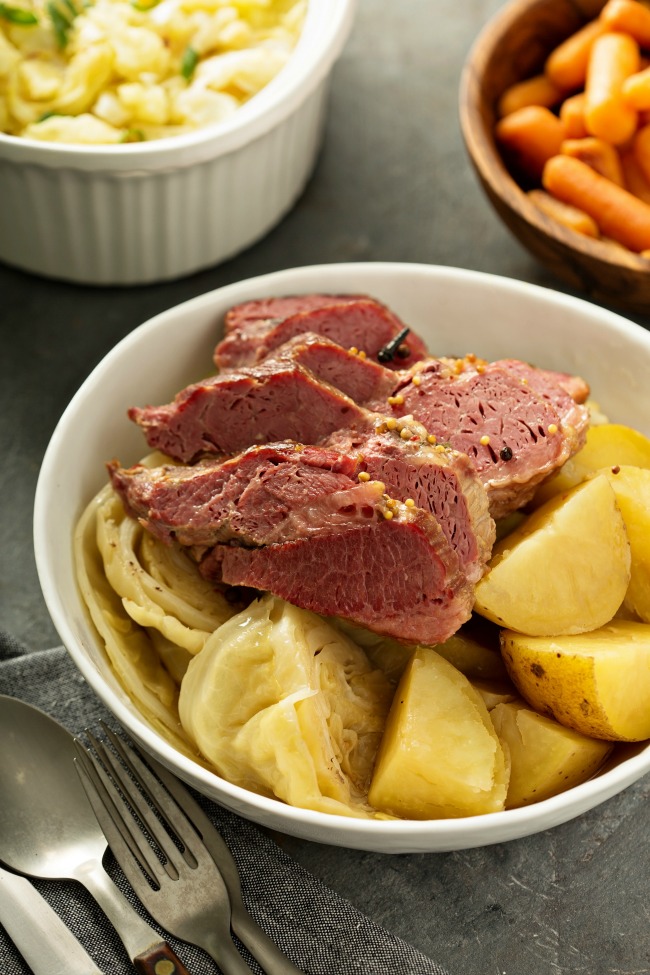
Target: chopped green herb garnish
x=189, y=62
x=61, y=20
x=144, y=5
x=47, y=115
x=17, y=15
x=134, y=135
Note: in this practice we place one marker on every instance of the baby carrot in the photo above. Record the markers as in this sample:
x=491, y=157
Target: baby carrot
x=614, y=57
x=641, y=148
x=628, y=17
x=618, y=214
x=566, y=66
x=565, y=214
x=538, y=90
x=635, y=179
x=598, y=154
x=572, y=116
x=530, y=136
x=636, y=89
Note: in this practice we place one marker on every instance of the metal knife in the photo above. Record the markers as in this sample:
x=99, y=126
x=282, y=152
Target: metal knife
x=39, y=934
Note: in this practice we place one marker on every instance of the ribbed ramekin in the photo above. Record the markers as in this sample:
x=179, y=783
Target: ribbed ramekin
x=145, y=212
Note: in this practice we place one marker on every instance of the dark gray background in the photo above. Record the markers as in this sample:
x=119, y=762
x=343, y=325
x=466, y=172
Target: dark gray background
x=393, y=183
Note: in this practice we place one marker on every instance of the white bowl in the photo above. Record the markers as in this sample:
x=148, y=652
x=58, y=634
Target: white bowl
x=144, y=212
x=456, y=311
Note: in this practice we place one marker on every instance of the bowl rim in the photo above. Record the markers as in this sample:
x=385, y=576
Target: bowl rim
x=488, y=161
x=405, y=835
x=325, y=31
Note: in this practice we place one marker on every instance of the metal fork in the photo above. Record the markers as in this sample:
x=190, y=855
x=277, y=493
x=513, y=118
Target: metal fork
x=179, y=882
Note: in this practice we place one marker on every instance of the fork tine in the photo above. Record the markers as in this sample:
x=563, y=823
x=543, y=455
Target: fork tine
x=134, y=854
x=201, y=823
x=139, y=804
x=162, y=798
x=189, y=809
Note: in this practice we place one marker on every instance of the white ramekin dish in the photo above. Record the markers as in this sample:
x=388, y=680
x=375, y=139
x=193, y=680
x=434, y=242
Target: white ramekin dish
x=456, y=311
x=145, y=212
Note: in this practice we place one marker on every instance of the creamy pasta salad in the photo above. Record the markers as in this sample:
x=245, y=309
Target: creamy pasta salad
x=115, y=71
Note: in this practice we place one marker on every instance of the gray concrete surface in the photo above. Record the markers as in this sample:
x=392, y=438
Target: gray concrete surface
x=393, y=183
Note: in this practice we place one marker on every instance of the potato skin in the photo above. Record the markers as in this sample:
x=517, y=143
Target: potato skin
x=597, y=683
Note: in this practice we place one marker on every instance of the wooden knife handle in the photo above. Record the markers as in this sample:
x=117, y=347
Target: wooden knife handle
x=159, y=960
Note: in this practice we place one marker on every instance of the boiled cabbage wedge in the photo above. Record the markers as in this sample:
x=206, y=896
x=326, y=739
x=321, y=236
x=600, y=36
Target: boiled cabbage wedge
x=285, y=705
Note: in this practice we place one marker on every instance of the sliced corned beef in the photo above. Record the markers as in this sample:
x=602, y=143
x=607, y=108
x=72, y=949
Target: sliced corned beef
x=228, y=413
x=359, y=377
x=264, y=309
x=262, y=496
x=561, y=388
x=349, y=320
x=283, y=490
x=397, y=577
x=516, y=425
x=436, y=478
x=372, y=385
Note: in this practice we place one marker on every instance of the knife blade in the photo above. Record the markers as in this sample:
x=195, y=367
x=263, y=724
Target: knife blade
x=39, y=934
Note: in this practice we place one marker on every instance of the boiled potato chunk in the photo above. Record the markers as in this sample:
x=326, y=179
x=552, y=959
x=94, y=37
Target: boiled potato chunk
x=596, y=683
x=475, y=650
x=440, y=756
x=545, y=757
x=495, y=692
x=566, y=569
x=632, y=488
x=607, y=445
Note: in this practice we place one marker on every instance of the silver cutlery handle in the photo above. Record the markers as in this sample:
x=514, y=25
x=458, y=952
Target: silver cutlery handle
x=144, y=945
x=39, y=934
x=222, y=950
x=265, y=951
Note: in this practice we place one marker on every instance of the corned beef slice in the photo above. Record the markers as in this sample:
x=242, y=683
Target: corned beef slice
x=557, y=394
x=530, y=424
x=317, y=536
x=438, y=480
x=226, y=414
x=264, y=495
x=263, y=309
x=395, y=577
x=348, y=320
x=551, y=396
x=287, y=486
x=547, y=383
x=358, y=377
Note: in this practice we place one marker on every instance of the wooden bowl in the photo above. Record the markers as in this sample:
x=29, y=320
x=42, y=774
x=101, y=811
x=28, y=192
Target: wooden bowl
x=511, y=47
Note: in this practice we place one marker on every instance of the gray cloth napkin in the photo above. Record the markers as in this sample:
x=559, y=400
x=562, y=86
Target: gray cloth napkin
x=321, y=932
